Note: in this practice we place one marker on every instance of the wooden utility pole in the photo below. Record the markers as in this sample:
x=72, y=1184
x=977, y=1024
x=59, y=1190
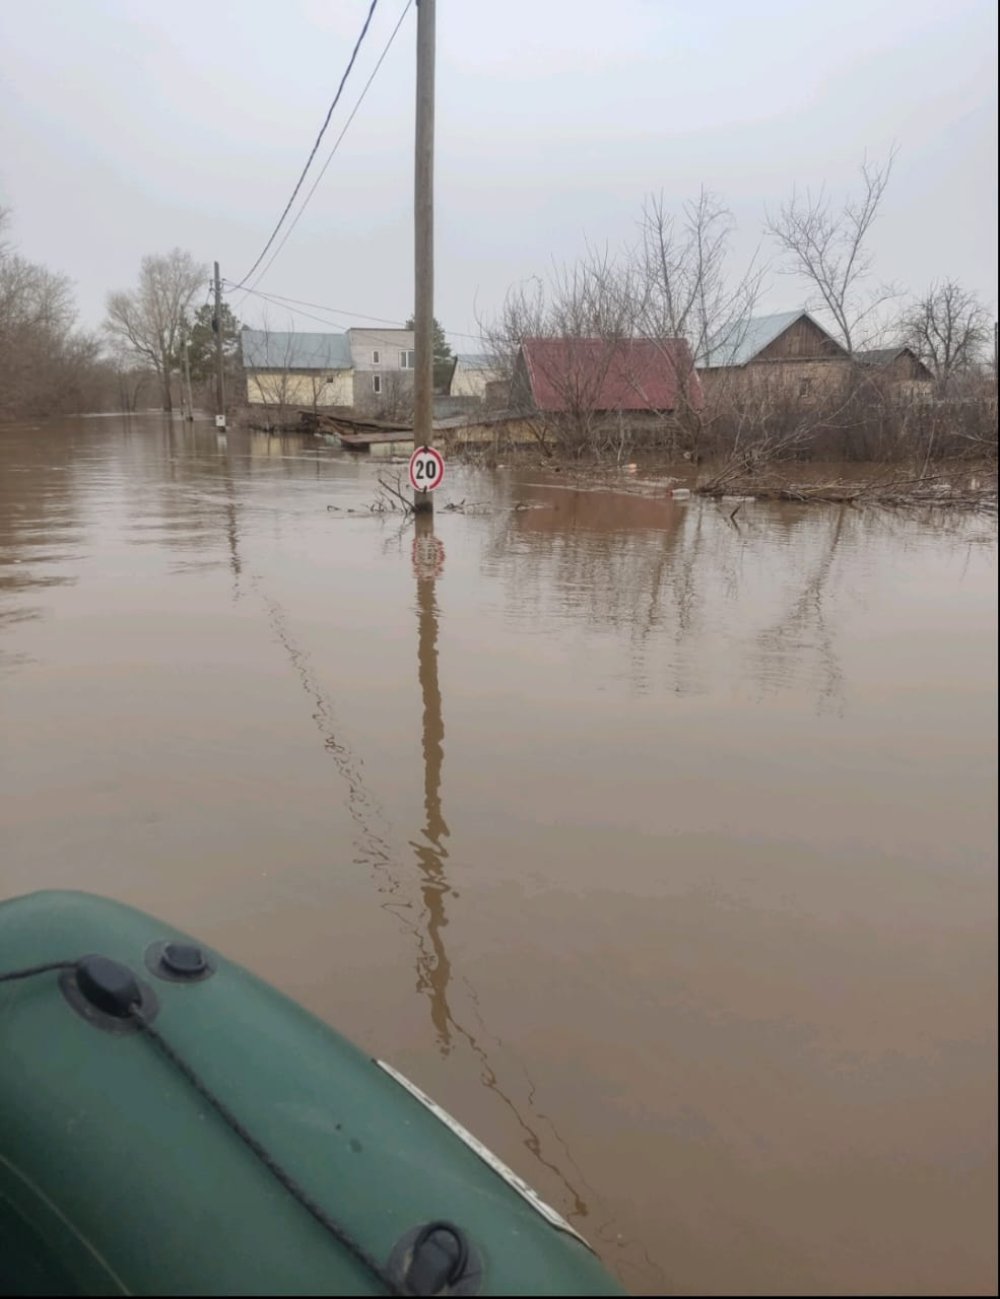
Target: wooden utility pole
x=186, y=372
x=220, y=372
x=423, y=246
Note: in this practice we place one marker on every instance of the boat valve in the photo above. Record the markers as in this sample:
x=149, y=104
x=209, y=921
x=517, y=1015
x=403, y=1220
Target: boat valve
x=107, y=994
x=436, y=1259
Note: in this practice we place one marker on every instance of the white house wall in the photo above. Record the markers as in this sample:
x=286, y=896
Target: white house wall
x=283, y=388
x=470, y=382
x=387, y=342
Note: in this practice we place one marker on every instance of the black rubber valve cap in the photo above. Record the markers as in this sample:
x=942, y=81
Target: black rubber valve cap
x=108, y=985
x=439, y=1260
x=184, y=960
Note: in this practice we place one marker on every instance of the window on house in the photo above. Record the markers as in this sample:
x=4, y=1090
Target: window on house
x=805, y=387
x=407, y=360
x=376, y=359
x=376, y=383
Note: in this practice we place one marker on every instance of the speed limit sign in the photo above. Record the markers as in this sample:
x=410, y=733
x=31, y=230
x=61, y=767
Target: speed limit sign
x=426, y=469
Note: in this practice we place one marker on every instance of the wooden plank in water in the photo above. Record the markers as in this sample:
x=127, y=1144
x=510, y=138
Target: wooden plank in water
x=362, y=441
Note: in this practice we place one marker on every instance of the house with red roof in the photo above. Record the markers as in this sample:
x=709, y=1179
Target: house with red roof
x=592, y=376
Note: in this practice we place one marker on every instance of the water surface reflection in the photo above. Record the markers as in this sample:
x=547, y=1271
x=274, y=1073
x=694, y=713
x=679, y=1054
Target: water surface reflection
x=696, y=924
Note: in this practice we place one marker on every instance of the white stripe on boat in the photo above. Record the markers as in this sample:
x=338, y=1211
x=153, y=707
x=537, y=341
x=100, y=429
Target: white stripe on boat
x=486, y=1155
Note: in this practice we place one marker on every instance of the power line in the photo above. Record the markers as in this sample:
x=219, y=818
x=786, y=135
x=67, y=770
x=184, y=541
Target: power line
x=280, y=301
x=336, y=143
x=313, y=151
x=333, y=311
x=329, y=158
x=322, y=320
x=297, y=311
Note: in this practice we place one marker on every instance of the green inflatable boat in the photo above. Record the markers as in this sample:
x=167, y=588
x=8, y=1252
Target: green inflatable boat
x=170, y=1125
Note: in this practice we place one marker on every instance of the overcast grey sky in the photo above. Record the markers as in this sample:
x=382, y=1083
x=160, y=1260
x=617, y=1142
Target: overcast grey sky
x=130, y=126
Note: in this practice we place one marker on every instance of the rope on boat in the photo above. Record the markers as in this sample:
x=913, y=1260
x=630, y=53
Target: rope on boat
x=293, y=1188
x=36, y=969
x=281, y=1175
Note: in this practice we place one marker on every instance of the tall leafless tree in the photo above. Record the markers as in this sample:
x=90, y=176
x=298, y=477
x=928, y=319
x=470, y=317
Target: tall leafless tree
x=828, y=246
x=148, y=318
x=684, y=281
x=948, y=328
x=686, y=290
x=592, y=298
x=46, y=365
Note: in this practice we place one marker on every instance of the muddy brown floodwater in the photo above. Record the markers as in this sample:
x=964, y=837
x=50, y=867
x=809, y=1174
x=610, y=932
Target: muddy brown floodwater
x=658, y=848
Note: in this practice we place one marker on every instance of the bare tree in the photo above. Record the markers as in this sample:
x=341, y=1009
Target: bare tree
x=592, y=299
x=828, y=246
x=32, y=298
x=148, y=318
x=686, y=292
x=45, y=366
x=948, y=328
x=131, y=376
x=522, y=315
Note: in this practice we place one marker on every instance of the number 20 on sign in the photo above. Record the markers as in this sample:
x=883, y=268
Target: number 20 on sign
x=426, y=469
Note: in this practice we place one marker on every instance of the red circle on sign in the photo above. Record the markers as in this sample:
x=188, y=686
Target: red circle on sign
x=426, y=469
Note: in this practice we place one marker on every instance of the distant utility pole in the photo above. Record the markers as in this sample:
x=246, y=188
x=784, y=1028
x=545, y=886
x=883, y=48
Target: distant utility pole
x=186, y=372
x=423, y=247
x=220, y=373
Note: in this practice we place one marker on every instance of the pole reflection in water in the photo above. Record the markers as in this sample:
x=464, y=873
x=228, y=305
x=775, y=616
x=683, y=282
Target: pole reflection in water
x=232, y=521
x=434, y=971
x=433, y=965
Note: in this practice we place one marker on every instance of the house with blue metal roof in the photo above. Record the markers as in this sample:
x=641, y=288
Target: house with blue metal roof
x=788, y=353
x=368, y=370
x=291, y=369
